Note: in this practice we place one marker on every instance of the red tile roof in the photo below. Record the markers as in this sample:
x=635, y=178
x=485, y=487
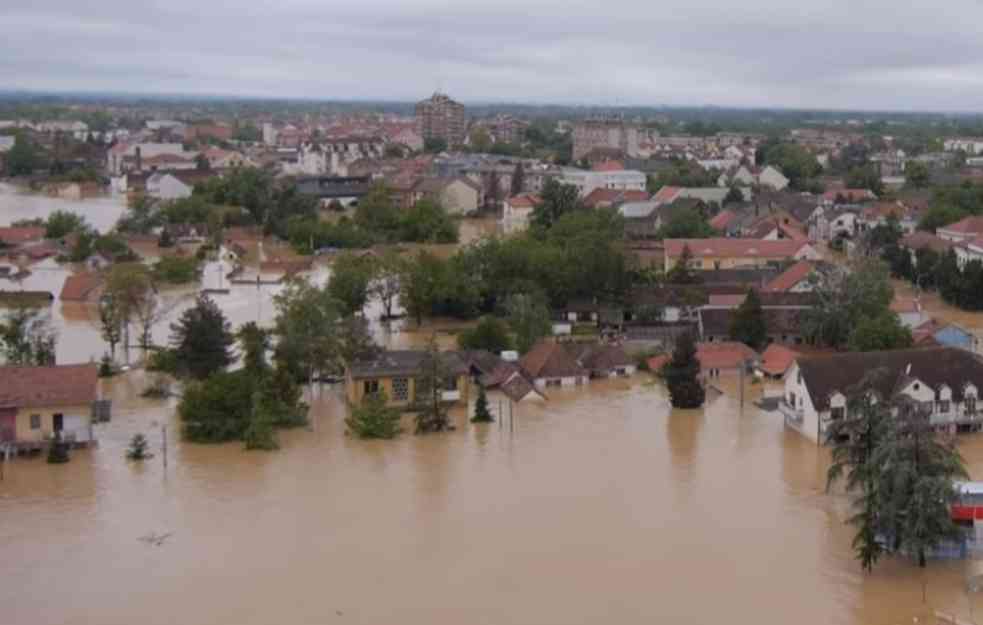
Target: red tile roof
x=63, y=385
x=525, y=200
x=667, y=194
x=16, y=236
x=966, y=225
x=722, y=219
x=724, y=247
x=723, y=355
x=550, y=360
x=78, y=287
x=790, y=277
x=609, y=166
x=905, y=305
x=656, y=363
x=777, y=359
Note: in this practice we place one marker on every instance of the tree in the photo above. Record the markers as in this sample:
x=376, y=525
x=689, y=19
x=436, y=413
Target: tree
x=386, y=283
x=355, y=341
x=682, y=375
x=202, y=340
x=22, y=159
x=202, y=163
x=128, y=287
x=58, y=450
x=883, y=332
x=493, y=192
x=434, y=145
x=853, y=438
x=916, y=174
x=685, y=224
x=518, y=179
x=865, y=177
x=481, y=412
x=255, y=342
x=427, y=221
x=748, y=324
x=843, y=299
x=491, y=334
x=376, y=212
x=306, y=327
x=111, y=323
x=351, y=276
x=432, y=415
x=681, y=272
x=259, y=433
x=529, y=317
x=915, y=473
x=373, y=418
x=62, y=222
x=734, y=196
x=138, y=448
x=481, y=141
x=165, y=239
x=218, y=408
x=27, y=338
x=556, y=200
x=419, y=285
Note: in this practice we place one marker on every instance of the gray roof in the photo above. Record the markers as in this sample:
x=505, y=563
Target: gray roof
x=404, y=363
x=638, y=210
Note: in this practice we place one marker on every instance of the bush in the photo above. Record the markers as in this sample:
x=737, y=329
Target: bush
x=176, y=269
x=490, y=334
x=58, y=451
x=373, y=418
x=163, y=360
x=217, y=409
x=138, y=448
x=106, y=369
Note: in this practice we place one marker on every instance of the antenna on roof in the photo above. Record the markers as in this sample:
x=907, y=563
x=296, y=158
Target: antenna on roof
x=907, y=369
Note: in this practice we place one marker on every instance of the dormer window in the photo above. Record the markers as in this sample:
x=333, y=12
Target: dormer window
x=916, y=386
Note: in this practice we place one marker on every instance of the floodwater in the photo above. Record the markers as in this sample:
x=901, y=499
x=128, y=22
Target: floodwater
x=599, y=506
x=100, y=212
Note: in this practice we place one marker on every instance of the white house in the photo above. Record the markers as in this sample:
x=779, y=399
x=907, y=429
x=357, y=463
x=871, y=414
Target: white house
x=587, y=181
x=165, y=186
x=517, y=211
x=944, y=381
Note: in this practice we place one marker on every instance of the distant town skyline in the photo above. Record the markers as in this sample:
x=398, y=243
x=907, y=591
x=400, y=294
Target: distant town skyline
x=844, y=56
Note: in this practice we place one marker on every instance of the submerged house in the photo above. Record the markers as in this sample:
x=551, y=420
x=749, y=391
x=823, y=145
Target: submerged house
x=398, y=373
x=550, y=364
x=36, y=403
x=946, y=381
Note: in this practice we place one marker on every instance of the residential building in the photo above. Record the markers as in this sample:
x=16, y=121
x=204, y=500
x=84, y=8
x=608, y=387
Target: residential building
x=909, y=311
x=82, y=287
x=36, y=403
x=345, y=189
x=549, y=364
x=633, y=140
x=12, y=236
x=710, y=195
x=777, y=360
x=935, y=332
x=965, y=229
x=603, y=360
x=440, y=117
x=724, y=358
x=606, y=198
x=725, y=253
x=782, y=313
x=124, y=157
x=166, y=186
x=498, y=374
x=796, y=279
x=399, y=373
x=617, y=179
x=943, y=381
x=970, y=146
x=517, y=211
x=458, y=195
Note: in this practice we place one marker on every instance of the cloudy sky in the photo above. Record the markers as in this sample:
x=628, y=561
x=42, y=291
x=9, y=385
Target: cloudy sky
x=875, y=54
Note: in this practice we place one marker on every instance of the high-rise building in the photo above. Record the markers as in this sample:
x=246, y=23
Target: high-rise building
x=631, y=139
x=441, y=118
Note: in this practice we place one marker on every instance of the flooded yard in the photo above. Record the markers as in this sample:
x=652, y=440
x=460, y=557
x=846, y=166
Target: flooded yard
x=602, y=506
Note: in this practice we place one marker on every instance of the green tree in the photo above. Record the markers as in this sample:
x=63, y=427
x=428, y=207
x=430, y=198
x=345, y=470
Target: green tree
x=385, y=285
x=419, y=285
x=529, y=317
x=880, y=333
x=138, y=449
x=481, y=141
x=681, y=272
x=62, y=222
x=129, y=289
x=916, y=174
x=201, y=162
x=843, y=299
x=518, y=179
x=202, y=340
x=748, y=324
x=306, y=328
x=556, y=200
x=217, y=409
x=481, y=412
x=865, y=177
x=255, y=343
x=734, y=196
x=427, y=221
x=373, y=418
x=682, y=375
x=22, y=159
x=490, y=334
x=111, y=323
x=260, y=433
x=493, y=191
x=376, y=212
x=27, y=338
x=685, y=224
x=58, y=450
x=434, y=145
x=432, y=415
x=351, y=276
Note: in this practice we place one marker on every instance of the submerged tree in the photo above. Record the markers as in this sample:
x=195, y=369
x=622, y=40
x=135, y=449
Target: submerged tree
x=682, y=375
x=202, y=339
x=111, y=323
x=481, y=412
x=373, y=418
x=748, y=324
x=529, y=317
x=27, y=338
x=432, y=415
x=58, y=450
x=138, y=449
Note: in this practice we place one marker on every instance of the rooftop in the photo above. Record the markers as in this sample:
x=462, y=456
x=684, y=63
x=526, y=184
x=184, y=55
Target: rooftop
x=61, y=385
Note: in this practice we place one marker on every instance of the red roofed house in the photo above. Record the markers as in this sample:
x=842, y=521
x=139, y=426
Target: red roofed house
x=609, y=166
x=550, y=364
x=12, y=236
x=849, y=196
x=82, y=287
x=517, y=211
x=723, y=221
x=606, y=198
x=795, y=279
x=37, y=402
x=777, y=360
x=724, y=253
x=667, y=194
x=963, y=230
x=724, y=357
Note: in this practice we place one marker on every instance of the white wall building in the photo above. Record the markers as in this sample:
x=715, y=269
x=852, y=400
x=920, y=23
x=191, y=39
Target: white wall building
x=587, y=181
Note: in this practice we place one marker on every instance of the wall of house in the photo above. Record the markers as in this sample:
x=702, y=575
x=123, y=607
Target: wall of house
x=355, y=390
x=460, y=199
x=795, y=386
x=544, y=383
x=77, y=418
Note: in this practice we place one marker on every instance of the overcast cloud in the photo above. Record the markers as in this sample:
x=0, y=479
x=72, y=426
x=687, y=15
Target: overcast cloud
x=876, y=54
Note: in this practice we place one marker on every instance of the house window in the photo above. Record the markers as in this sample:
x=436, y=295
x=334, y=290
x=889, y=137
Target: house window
x=35, y=422
x=837, y=413
x=970, y=405
x=370, y=386
x=401, y=389
x=553, y=382
x=942, y=407
x=791, y=399
x=450, y=384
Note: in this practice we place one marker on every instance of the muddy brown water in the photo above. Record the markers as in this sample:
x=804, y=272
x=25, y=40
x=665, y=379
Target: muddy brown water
x=603, y=506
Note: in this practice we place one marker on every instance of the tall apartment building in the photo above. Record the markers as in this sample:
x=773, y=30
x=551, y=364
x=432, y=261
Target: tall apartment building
x=441, y=118
x=634, y=140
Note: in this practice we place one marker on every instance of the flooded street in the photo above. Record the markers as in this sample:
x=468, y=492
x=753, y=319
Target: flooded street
x=603, y=506
x=101, y=212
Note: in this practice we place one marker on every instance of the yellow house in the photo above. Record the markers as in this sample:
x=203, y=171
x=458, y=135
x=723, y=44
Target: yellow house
x=37, y=402
x=725, y=253
x=398, y=373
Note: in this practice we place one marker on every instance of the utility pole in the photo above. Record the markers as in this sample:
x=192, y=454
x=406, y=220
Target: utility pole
x=163, y=435
x=743, y=367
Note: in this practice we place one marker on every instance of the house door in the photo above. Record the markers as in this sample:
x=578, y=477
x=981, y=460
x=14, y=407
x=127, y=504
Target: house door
x=8, y=425
x=58, y=422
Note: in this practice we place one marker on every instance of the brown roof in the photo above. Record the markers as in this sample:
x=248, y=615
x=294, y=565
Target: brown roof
x=602, y=359
x=78, y=287
x=745, y=248
x=62, y=385
x=791, y=276
x=517, y=387
x=723, y=219
x=827, y=374
x=525, y=200
x=966, y=225
x=919, y=239
x=550, y=360
x=777, y=359
x=724, y=355
x=16, y=236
